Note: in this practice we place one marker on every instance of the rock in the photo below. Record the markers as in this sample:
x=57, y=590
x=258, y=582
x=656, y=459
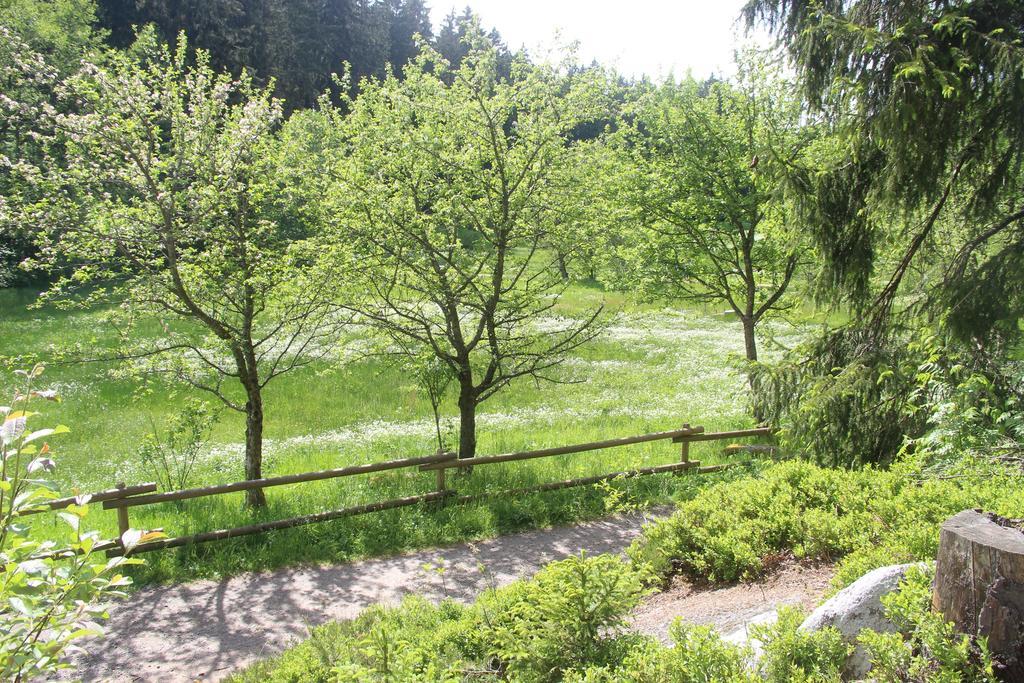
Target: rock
x=856, y=607
x=741, y=635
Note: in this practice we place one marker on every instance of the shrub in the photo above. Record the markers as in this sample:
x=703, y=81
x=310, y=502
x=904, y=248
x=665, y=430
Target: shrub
x=570, y=614
x=869, y=517
x=698, y=655
x=416, y=640
x=792, y=654
x=171, y=453
x=50, y=595
x=567, y=615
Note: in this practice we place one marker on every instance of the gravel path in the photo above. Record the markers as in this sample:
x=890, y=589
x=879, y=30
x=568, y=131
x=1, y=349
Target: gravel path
x=206, y=629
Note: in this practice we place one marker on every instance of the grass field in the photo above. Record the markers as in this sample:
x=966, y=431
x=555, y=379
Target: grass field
x=652, y=369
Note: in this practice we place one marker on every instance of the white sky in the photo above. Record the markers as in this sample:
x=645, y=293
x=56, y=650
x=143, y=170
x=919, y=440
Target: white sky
x=650, y=37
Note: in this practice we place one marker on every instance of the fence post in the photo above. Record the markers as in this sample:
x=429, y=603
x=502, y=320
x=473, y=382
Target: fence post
x=684, y=455
x=441, y=478
x=122, y=519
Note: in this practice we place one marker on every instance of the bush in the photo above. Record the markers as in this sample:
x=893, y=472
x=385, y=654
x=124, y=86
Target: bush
x=50, y=594
x=567, y=615
x=792, y=654
x=868, y=517
x=416, y=640
x=568, y=622
x=699, y=655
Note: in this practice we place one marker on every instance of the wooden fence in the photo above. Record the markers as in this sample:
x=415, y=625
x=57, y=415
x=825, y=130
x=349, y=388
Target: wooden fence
x=122, y=499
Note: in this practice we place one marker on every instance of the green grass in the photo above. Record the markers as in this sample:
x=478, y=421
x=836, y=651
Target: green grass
x=652, y=369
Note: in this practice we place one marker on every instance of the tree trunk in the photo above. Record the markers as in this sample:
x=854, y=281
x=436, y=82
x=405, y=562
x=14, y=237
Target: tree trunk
x=254, y=447
x=467, y=423
x=979, y=584
x=749, y=340
x=563, y=270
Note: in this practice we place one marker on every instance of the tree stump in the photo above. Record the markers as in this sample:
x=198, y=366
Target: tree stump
x=979, y=584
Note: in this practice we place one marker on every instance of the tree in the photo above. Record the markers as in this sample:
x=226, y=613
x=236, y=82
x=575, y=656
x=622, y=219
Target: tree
x=702, y=183
x=181, y=208
x=458, y=31
x=408, y=19
x=40, y=44
x=447, y=183
x=916, y=212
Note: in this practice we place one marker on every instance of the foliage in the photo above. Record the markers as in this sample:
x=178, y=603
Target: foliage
x=570, y=613
x=917, y=392
x=171, y=454
x=50, y=595
x=567, y=615
x=447, y=188
x=698, y=655
x=171, y=203
x=932, y=650
x=296, y=44
x=856, y=398
x=912, y=202
x=869, y=518
x=793, y=654
x=935, y=127
x=41, y=42
x=565, y=624
x=416, y=640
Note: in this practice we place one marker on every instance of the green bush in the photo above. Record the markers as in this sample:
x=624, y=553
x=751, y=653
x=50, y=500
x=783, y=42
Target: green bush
x=794, y=655
x=416, y=640
x=568, y=622
x=569, y=614
x=698, y=655
x=869, y=518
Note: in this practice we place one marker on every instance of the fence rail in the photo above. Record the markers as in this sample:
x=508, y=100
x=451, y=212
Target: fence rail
x=123, y=498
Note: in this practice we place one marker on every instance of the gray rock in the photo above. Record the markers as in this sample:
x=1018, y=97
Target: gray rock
x=857, y=607
x=741, y=635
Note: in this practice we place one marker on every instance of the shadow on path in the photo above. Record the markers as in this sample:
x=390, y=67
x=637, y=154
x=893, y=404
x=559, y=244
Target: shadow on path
x=206, y=629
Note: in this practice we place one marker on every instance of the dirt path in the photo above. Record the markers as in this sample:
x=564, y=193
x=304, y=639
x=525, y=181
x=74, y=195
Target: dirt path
x=206, y=629
x=732, y=607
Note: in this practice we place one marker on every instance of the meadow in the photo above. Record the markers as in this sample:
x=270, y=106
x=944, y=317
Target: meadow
x=653, y=368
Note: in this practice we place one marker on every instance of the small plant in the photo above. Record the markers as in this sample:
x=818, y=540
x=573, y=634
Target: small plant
x=171, y=452
x=616, y=499
x=435, y=377
x=50, y=594
x=792, y=654
x=932, y=650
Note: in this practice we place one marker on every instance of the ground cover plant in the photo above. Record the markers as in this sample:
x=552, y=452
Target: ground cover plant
x=566, y=623
x=861, y=518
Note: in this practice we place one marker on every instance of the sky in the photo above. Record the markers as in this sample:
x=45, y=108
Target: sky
x=652, y=37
